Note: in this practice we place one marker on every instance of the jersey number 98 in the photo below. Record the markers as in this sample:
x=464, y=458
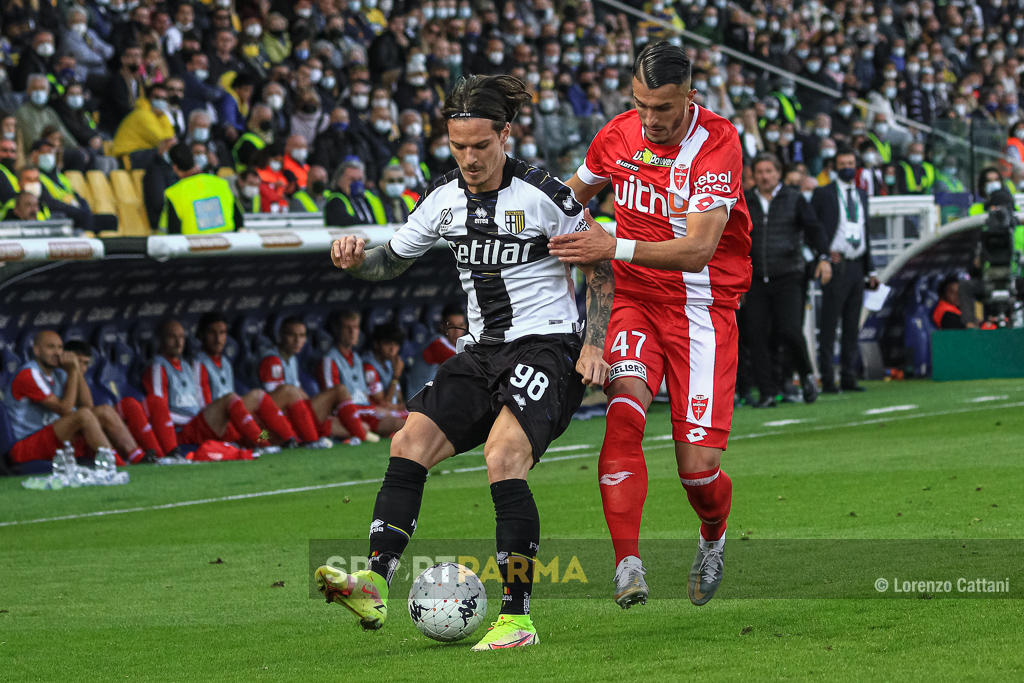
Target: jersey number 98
x=522, y=376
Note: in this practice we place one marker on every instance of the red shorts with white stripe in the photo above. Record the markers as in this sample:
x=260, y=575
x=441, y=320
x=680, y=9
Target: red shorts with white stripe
x=197, y=430
x=693, y=348
x=372, y=415
x=43, y=445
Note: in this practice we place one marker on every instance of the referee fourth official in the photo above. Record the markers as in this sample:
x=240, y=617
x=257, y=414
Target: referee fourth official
x=199, y=203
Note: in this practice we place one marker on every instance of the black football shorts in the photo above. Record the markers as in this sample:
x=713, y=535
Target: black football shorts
x=535, y=376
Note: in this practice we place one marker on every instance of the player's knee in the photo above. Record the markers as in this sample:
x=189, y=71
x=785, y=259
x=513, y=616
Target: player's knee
x=255, y=395
x=406, y=446
x=341, y=393
x=507, y=460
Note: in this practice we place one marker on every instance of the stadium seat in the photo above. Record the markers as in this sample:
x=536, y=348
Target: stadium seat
x=315, y=321
x=432, y=316
x=102, y=193
x=143, y=339
x=111, y=376
x=261, y=343
x=9, y=364
x=309, y=384
x=105, y=337
x=320, y=342
x=137, y=175
x=407, y=317
x=122, y=355
x=131, y=212
x=24, y=348
x=225, y=172
x=81, y=186
x=231, y=350
x=6, y=433
x=247, y=328
x=376, y=316
x=74, y=333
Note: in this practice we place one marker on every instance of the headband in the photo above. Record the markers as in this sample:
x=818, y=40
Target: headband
x=469, y=115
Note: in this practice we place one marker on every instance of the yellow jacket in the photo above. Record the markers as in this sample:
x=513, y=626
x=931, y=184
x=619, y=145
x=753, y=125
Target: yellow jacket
x=144, y=128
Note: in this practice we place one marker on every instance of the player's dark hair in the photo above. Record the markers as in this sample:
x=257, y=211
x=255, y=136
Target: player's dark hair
x=207, y=319
x=943, y=288
x=770, y=158
x=182, y=158
x=164, y=325
x=78, y=346
x=846, y=149
x=289, y=321
x=662, y=64
x=450, y=310
x=388, y=332
x=497, y=98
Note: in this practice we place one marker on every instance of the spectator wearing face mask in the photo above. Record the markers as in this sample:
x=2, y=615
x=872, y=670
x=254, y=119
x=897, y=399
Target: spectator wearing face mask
x=350, y=203
x=200, y=92
x=338, y=141
x=439, y=155
x=147, y=125
x=870, y=176
x=276, y=41
x=814, y=101
x=199, y=130
x=843, y=117
x=269, y=162
x=258, y=135
x=36, y=114
x=245, y=187
x=389, y=51
x=296, y=153
x=36, y=60
x=159, y=176
x=311, y=199
x=990, y=181
x=57, y=193
x=126, y=89
x=24, y=207
x=398, y=201
x=308, y=120
x=916, y=175
x=556, y=131
x=408, y=157
x=77, y=121
x=91, y=52
x=785, y=96
x=948, y=177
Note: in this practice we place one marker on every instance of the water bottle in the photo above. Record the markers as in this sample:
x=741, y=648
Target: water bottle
x=106, y=464
x=64, y=463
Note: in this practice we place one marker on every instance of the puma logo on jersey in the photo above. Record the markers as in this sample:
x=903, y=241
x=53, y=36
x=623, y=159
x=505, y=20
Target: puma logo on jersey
x=616, y=478
x=491, y=252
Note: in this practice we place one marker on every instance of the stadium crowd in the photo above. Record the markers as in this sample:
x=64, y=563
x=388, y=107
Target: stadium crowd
x=310, y=102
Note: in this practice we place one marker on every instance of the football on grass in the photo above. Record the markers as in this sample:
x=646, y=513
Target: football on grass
x=447, y=602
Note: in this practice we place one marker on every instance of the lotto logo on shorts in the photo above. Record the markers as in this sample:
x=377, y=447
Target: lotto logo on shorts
x=628, y=368
x=698, y=404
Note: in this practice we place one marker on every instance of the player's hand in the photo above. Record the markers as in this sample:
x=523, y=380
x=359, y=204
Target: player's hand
x=398, y=365
x=349, y=251
x=823, y=272
x=592, y=366
x=873, y=283
x=69, y=361
x=592, y=245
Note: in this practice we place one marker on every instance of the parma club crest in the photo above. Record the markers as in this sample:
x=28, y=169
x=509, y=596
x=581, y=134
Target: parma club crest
x=698, y=404
x=515, y=221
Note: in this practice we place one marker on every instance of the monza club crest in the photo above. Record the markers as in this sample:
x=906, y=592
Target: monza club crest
x=698, y=404
x=679, y=175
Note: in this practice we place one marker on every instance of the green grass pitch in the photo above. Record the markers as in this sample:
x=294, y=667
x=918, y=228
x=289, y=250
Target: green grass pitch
x=139, y=595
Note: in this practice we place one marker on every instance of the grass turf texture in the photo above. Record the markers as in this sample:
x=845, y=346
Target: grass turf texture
x=140, y=595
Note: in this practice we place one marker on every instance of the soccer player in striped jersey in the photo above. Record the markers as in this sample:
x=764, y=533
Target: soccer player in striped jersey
x=331, y=413
x=217, y=379
x=681, y=260
x=524, y=367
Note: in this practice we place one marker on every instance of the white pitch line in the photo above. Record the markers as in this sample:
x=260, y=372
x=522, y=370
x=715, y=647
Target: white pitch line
x=890, y=409
x=783, y=423
x=320, y=487
x=986, y=399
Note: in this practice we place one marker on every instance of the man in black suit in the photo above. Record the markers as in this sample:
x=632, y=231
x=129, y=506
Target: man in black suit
x=842, y=209
x=783, y=223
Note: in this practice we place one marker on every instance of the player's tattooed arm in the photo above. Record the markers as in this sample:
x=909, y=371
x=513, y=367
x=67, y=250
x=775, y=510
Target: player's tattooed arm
x=379, y=263
x=600, y=293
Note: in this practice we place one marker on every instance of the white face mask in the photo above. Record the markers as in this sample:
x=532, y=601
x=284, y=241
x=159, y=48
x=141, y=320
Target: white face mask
x=990, y=187
x=47, y=162
x=360, y=101
x=442, y=153
x=548, y=104
x=315, y=75
x=394, y=190
x=528, y=150
x=414, y=130
x=828, y=152
x=382, y=126
x=250, y=191
x=305, y=12
x=76, y=102
x=411, y=159
x=300, y=155
x=381, y=102
x=275, y=102
x=496, y=57
x=201, y=74
x=80, y=28
x=200, y=161
x=40, y=97
x=772, y=136
x=33, y=188
x=201, y=134
x=275, y=166
x=328, y=82
x=254, y=30
x=45, y=50
x=159, y=105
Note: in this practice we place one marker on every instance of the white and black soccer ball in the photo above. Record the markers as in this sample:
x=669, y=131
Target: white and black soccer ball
x=447, y=602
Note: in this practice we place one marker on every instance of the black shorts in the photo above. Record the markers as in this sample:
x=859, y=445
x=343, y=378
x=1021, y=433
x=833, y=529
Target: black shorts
x=534, y=376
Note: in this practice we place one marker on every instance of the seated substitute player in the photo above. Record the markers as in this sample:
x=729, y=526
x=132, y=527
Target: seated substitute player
x=342, y=364
x=680, y=208
x=176, y=405
x=383, y=367
x=140, y=445
x=330, y=413
x=217, y=379
x=42, y=405
x=441, y=348
x=521, y=376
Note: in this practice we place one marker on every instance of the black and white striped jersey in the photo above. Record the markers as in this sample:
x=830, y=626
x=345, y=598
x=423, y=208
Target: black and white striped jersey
x=500, y=240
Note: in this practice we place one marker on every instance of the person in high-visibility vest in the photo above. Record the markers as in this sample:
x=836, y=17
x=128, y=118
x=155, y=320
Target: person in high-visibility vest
x=296, y=152
x=397, y=204
x=199, y=203
x=259, y=134
x=990, y=180
x=59, y=196
x=351, y=203
x=918, y=175
x=246, y=188
x=311, y=199
x=24, y=207
x=9, y=186
x=948, y=178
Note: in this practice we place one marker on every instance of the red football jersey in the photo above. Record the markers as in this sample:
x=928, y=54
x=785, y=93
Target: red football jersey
x=657, y=186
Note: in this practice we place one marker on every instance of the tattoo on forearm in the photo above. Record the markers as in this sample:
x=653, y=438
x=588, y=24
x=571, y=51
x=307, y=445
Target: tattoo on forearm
x=381, y=264
x=600, y=293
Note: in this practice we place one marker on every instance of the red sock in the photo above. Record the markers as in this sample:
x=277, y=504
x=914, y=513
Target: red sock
x=135, y=455
x=623, y=473
x=135, y=417
x=301, y=415
x=274, y=418
x=243, y=421
x=710, y=495
x=349, y=418
x=160, y=419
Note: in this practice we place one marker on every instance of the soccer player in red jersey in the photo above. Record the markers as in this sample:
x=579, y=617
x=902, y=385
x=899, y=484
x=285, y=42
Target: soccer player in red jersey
x=681, y=262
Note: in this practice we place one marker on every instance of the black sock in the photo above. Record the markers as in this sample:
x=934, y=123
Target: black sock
x=518, y=538
x=394, y=514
